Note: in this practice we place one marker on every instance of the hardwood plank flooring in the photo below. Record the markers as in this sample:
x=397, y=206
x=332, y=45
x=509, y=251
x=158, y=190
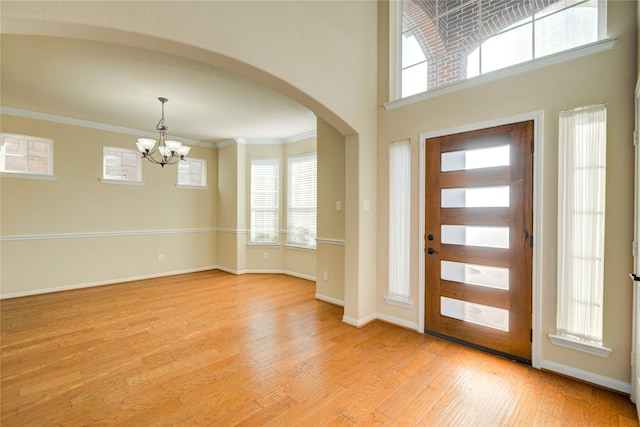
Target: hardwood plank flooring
x=216, y=349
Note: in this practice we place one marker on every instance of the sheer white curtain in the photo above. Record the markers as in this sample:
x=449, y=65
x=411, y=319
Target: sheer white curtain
x=581, y=214
x=399, y=217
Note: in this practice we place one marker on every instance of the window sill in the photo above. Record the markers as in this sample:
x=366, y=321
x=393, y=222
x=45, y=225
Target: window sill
x=28, y=176
x=262, y=244
x=192, y=187
x=398, y=300
x=583, y=346
x=545, y=61
x=120, y=181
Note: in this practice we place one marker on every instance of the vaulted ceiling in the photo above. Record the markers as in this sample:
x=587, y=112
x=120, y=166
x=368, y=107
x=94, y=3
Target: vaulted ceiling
x=120, y=85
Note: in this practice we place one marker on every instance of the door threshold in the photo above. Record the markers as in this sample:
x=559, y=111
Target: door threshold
x=479, y=347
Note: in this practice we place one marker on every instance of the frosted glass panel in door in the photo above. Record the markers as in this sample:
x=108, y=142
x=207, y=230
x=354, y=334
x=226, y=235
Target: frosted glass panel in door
x=491, y=317
x=470, y=235
x=474, y=274
x=475, y=197
x=475, y=159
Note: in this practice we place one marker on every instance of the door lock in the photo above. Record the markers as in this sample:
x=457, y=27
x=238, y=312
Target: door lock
x=431, y=251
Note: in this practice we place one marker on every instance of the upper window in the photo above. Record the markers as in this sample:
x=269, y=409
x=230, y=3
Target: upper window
x=301, y=206
x=192, y=173
x=265, y=198
x=121, y=164
x=22, y=154
x=445, y=42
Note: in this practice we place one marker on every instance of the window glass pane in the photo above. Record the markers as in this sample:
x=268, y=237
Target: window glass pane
x=567, y=29
x=38, y=149
x=473, y=274
x=470, y=235
x=476, y=197
x=542, y=7
x=16, y=164
x=414, y=79
x=506, y=49
x=491, y=317
x=302, y=195
x=15, y=146
x=475, y=159
x=411, y=51
x=120, y=163
x=265, y=179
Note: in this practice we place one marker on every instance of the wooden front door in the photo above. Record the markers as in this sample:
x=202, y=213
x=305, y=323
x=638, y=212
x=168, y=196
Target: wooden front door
x=479, y=242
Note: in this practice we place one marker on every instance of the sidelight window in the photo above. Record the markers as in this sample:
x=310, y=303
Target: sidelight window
x=581, y=223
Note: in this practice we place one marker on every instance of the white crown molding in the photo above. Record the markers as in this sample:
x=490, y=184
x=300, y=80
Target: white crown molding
x=11, y=111
x=268, y=141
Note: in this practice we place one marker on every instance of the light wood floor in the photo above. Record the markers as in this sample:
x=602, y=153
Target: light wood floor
x=257, y=350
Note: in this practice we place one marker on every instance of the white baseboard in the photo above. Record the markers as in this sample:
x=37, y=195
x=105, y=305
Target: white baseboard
x=589, y=377
x=250, y=271
x=399, y=322
x=359, y=322
x=105, y=282
x=330, y=300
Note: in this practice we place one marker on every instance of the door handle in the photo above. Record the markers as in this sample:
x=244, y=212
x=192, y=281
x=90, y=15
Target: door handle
x=431, y=251
x=634, y=277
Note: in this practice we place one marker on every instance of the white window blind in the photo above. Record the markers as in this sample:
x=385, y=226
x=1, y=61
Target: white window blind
x=192, y=172
x=399, y=217
x=581, y=222
x=26, y=155
x=265, y=196
x=302, y=196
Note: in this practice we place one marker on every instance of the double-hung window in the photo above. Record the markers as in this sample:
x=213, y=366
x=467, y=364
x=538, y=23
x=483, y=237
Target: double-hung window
x=265, y=200
x=581, y=227
x=301, y=200
x=29, y=155
x=447, y=41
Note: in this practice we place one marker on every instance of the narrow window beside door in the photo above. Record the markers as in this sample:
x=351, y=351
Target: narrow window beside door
x=399, y=221
x=581, y=227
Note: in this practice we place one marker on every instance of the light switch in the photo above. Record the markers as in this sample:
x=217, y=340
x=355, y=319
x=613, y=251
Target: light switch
x=367, y=205
x=338, y=205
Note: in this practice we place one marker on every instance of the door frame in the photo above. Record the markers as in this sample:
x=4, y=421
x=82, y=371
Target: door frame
x=536, y=292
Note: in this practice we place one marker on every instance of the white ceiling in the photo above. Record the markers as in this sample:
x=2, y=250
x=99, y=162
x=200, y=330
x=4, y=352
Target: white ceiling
x=120, y=85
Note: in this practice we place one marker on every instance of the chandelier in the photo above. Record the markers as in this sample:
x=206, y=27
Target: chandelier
x=170, y=151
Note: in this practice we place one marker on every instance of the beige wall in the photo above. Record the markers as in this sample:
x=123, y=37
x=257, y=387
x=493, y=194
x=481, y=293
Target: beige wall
x=331, y=222
x=321, y=54
x=604, y=77
x=236, y=253
x=76, y=230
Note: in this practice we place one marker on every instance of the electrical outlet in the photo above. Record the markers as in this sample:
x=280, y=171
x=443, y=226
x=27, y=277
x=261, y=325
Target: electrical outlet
x=325, y=275
x=265, y=255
